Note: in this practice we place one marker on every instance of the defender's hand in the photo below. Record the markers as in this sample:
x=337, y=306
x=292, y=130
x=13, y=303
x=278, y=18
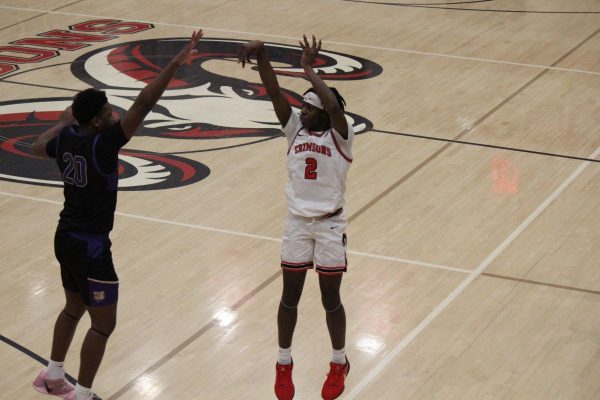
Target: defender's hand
x=254, y=47
x=189, y=49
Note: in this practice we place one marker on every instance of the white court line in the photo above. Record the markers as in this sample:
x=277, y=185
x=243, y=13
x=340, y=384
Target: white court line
x=406, y=261
x=383, y=364
x=242, y=234
x=424, y=53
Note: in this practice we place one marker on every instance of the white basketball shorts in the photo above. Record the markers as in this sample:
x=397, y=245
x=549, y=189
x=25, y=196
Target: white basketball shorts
x=310, y=241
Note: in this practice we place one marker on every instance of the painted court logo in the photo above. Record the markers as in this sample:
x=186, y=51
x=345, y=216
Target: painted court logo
x=138, y=170
x=200, y=103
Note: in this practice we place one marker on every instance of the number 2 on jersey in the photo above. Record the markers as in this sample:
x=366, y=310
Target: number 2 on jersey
x=311, y=168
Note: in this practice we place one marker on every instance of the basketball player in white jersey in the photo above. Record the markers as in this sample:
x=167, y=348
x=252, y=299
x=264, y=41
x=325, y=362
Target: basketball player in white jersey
x=319, y=156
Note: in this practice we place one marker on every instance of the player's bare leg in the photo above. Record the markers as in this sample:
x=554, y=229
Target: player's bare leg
x=52, y=379
x=66, y=324
x=334, y=309
x=336, y=323
x=287, y=315
x=293, y=283
x=104, y=320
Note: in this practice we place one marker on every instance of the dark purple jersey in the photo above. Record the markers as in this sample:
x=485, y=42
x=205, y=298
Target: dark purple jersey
x=89, y=167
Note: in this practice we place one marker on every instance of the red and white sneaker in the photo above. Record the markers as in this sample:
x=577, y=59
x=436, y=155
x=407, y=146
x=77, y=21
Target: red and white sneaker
x=334, y=384
x=55, y=387
x=284, y=386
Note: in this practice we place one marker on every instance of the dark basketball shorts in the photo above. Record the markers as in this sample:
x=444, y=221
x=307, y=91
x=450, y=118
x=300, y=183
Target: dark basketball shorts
x=86, y=267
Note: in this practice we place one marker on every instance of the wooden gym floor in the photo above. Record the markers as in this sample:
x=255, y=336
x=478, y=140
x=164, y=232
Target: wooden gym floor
x=474, y=202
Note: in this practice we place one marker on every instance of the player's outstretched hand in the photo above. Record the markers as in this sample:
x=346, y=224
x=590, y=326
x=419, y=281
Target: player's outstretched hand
x=249, y=49
x=309, y=51
x=189, y=49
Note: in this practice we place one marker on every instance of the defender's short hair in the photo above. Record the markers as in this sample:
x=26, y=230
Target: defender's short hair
x=87, y=104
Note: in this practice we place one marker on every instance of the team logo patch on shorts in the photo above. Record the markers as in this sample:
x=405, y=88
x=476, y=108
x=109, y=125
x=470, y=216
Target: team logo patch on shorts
x=99, y=296
x=103, y=293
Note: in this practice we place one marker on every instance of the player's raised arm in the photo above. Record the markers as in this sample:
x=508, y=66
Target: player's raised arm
x=267, y=75
x=152, y=92
x=39, y=146
x=330, y=103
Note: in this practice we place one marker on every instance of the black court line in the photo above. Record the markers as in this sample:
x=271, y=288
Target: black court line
x=225, y=147
x=41, y=86
x=211, y=324
x=6, y=139
x=28, y=352
x=21, y=22
x=36, y=357
x=17, y=73
x=39, y=15
x=465, y=131
x=443, y=7
x=552, y=285
x=273, y=277
x=447, y=3
x=543, y=153
x=207, y=327
x=400, y=181
x=2, y=138
x=372, y=130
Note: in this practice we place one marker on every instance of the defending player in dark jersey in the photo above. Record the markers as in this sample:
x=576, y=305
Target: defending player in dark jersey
x=86, y=144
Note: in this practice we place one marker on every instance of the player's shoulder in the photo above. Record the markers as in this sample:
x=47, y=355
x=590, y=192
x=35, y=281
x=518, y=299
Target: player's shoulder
x=293, y=120
x=115, y=127
x=69, y=129
x=349, y=132
x=113, y=133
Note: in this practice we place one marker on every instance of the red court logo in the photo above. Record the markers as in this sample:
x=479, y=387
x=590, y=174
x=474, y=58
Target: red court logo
x=200, y=103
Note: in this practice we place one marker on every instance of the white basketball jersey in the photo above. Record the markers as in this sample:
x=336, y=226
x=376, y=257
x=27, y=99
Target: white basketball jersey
x=318, y=164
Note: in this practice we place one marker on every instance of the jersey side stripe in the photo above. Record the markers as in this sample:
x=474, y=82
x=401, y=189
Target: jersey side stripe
x=337, y=146
x=293, y=140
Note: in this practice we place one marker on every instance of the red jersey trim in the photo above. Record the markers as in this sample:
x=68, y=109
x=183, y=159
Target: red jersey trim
x=337, y=146
x=310, y=133
x=293, y=140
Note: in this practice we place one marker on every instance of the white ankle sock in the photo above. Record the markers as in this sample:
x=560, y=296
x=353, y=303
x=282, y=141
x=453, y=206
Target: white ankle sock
x=55, y=370
x=82, y=393
x=285, y=356
x=339, y=356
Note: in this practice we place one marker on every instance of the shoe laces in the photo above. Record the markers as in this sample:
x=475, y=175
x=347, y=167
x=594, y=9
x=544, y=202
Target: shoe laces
x=57, y=384
x=282, y=370
x=284, y=375
x=62, y=384
x=335, y=371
